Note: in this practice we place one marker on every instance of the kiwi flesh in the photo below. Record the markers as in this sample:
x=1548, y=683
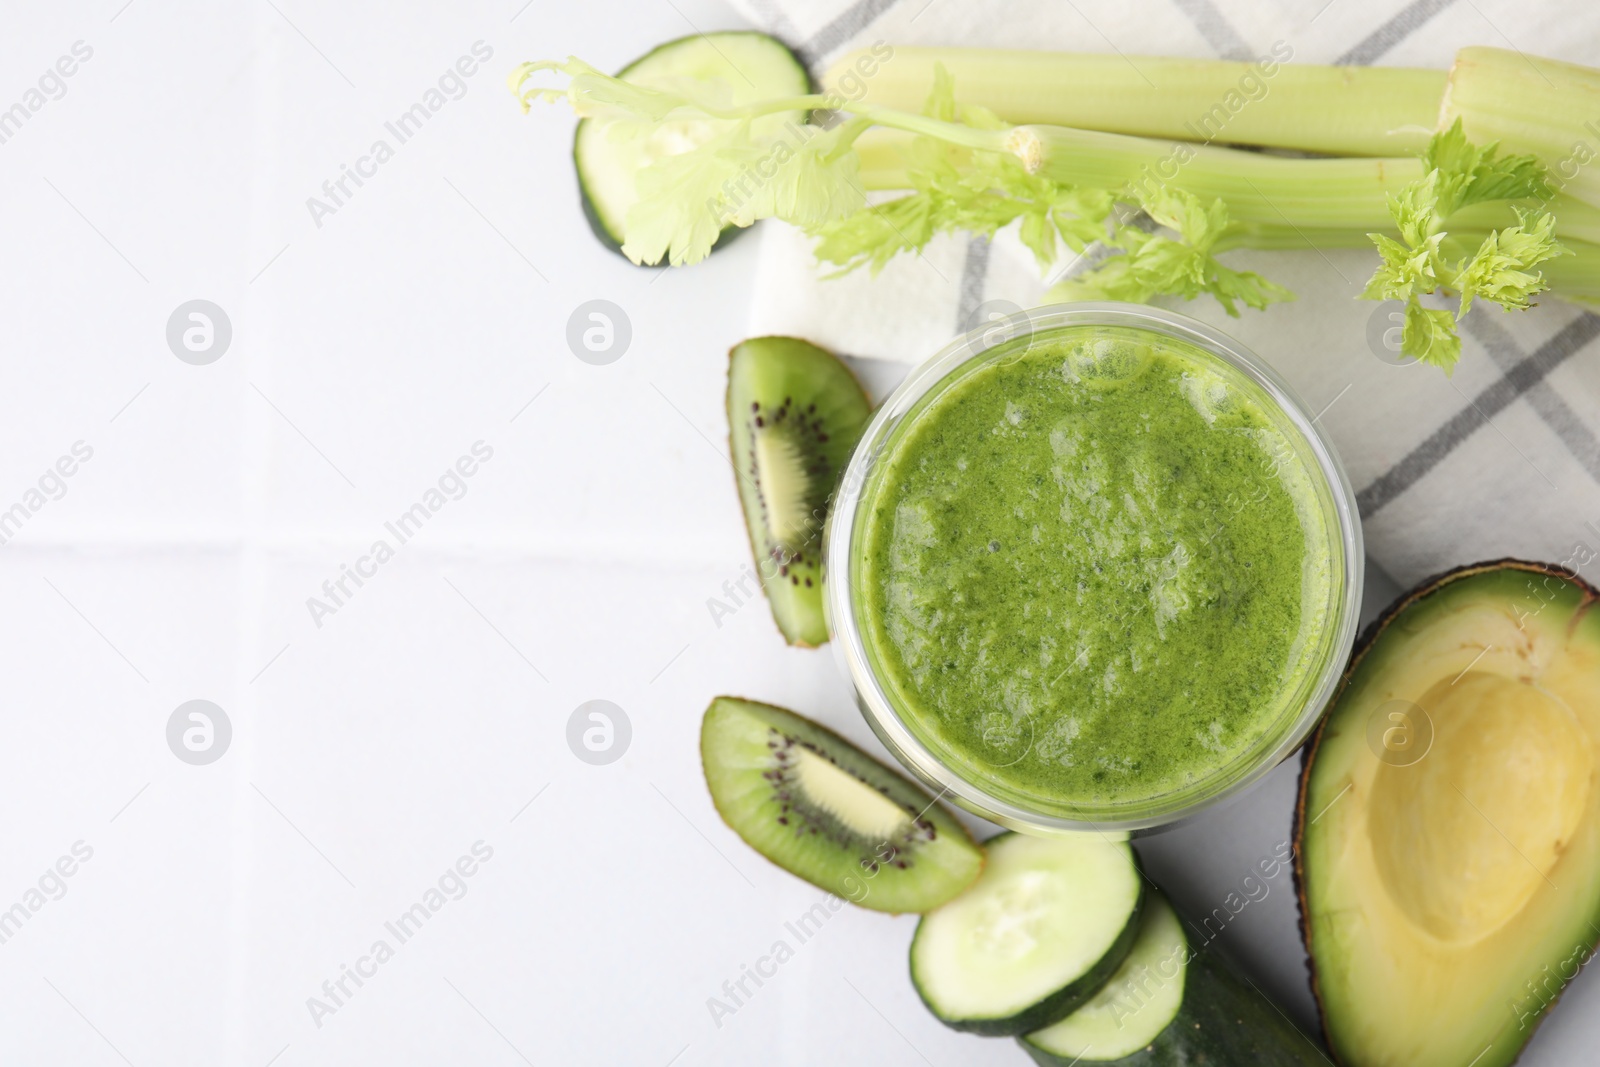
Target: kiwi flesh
x=795, y=413
x=820, y=808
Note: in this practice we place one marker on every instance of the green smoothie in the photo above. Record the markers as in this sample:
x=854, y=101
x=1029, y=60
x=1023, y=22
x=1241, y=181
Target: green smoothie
x=1093, y=568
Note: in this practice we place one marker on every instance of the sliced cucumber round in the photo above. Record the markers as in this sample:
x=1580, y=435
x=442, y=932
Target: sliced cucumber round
x=1171, y=1006
x=1138, y=1002
x=1048, y=921
x=609, y=153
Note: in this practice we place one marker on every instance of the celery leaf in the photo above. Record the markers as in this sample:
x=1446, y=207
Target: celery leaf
x=962, y=189
x=685, y=200
x=1458, y=174
x=1429, y=335
x=1153, y=264
x=963, y=170
x=1501, y=272
x=1469, y=174
x=1405, y=269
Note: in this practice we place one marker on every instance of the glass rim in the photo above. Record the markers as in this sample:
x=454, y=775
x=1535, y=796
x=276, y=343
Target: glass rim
x=850, y=647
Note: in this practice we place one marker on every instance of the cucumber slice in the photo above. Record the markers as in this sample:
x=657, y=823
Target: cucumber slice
x=1048, y=921
x=1139, y=1001
x=1167, y=1006
x=608, y=153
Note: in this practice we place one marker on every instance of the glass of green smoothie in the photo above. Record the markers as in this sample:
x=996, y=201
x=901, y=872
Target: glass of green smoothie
x=1093, y=567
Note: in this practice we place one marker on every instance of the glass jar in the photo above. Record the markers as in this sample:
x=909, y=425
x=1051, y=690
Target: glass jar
x=1298, y=704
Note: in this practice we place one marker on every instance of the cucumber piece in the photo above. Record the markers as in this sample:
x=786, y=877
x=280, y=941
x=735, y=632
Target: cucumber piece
x=1138, y=1002
x=1046, y=923
x=609, y=153
x=1168, y=1007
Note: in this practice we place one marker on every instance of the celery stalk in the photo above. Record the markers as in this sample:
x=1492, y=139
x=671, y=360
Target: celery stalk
x=1576, y=219
x=1362, y=111
x=1337, y=201
x=1350, y=192
x=1575, y=277
x=1278, y=237
x=1528, y=104
x=1463, y=218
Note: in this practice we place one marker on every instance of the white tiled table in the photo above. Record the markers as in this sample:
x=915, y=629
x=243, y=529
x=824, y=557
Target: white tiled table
x=372, y=751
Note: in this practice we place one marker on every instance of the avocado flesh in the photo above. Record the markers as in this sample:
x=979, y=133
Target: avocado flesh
x=1447, y=898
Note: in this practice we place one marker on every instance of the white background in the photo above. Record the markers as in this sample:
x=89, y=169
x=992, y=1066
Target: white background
x=371, y=752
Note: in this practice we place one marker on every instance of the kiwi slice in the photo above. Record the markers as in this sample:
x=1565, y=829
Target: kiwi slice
x=819, y=807
x=795, y=413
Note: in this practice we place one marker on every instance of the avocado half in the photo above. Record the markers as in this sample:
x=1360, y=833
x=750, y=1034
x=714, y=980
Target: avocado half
x=1448, y=825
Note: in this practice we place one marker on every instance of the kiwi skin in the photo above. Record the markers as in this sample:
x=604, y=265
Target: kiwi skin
x=943, y=865
x=802, y=379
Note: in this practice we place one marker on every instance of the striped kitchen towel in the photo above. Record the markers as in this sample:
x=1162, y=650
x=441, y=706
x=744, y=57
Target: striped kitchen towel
x=1501, y=459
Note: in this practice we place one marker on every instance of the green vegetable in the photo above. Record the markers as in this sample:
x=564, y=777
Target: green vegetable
x=608, y=154
x=1528, y=104
x=1356, y=111
x=1501, y=270
x=1140, y=1000
x=1044, y=926
x=1170, y=1005
x=1153, y=264
x=968, y=170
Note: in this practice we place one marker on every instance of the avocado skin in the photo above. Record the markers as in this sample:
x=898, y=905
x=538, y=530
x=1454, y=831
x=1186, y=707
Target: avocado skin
x=1364, y=644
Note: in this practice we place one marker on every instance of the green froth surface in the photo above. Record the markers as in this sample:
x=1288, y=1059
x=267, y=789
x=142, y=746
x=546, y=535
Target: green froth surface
x=1092, y=569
